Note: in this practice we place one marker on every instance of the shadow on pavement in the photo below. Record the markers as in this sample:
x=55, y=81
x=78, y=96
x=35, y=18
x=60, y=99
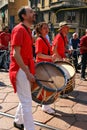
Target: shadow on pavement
x=73, y=119
x=78, y=97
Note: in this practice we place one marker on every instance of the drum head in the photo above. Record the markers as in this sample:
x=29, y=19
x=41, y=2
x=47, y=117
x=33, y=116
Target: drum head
x=50, y=78
x=49, y=72
x=67, y=67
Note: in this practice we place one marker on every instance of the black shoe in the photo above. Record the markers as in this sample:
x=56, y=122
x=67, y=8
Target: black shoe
x=19, y=126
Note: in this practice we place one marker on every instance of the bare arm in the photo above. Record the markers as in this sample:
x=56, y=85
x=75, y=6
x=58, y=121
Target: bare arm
x=43, y=56
x=20, y=62
x=56, y=52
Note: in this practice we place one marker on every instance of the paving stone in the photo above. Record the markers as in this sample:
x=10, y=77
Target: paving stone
x=84, y=83
x=64, y=111
x=71, y=113
x=65, y=103
x=79, y=108
x=41, y=116
x=7, y=106
x=6, y=123
x=79, y=126
x=11, y=98
x=62, y=122
x=7, y=90
x=81, y=116
x=82, y=89
x=2, y=96
x=12, y=111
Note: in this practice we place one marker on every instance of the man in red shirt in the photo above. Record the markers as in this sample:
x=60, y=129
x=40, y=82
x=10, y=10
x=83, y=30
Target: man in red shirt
x=83, y=51
x=5, y=38
x=22, y=68
x=60, y=41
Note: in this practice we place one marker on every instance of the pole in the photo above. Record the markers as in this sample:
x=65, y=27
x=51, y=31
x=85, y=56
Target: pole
x=35, y=122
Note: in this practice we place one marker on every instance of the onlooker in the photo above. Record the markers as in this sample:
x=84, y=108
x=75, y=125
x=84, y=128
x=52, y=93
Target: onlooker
x=83, y=51
x=74, y=44
x=5, y=38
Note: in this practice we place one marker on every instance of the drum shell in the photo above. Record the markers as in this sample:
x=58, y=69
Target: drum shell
x=70, y=80
x=43, y=94
x=50, y=96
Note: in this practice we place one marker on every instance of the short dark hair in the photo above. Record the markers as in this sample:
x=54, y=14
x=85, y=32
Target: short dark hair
x=21, y=11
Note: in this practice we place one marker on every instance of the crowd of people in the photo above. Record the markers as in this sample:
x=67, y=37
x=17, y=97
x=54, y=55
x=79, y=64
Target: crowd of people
x=22, y=59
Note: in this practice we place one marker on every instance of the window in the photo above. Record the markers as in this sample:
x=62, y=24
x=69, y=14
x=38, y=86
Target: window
x=43, y=3
x=71, y=16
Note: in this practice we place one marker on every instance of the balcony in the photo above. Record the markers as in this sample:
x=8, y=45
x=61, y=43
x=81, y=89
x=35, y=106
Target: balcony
x=67, y=3
x=3, y=3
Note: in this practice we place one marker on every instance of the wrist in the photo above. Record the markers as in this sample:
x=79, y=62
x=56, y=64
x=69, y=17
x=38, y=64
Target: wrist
x=26, y=70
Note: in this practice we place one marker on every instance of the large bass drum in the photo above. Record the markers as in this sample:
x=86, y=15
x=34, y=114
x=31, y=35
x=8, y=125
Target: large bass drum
x=50, y=81
x=69, y=70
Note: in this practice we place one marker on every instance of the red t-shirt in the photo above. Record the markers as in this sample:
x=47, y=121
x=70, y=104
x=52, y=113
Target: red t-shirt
x=83, y=43
x=5, y=39
x=41, y=47
x=20, y=37
x=60, y=45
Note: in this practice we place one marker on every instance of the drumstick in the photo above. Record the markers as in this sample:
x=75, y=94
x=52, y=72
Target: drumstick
x=44, y=80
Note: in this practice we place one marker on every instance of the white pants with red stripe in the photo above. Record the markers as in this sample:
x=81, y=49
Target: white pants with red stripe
x=24, y=110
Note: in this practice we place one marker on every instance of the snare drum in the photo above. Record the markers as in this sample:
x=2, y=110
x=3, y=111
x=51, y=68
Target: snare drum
x=50, y=81
x=69, y=70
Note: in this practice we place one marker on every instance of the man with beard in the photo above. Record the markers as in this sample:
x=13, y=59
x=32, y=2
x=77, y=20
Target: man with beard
x=60, y=41
x=22, y=68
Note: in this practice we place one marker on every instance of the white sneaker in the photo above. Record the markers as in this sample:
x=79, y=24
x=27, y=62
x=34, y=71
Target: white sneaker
x=64, y=96
x=47, y=109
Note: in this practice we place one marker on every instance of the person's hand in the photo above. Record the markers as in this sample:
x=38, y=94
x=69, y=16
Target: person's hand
x=70, y=51
x=30, y=76
x=54, y=57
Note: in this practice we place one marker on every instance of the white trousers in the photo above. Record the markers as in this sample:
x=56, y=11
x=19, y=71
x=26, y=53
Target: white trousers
x=24, y=110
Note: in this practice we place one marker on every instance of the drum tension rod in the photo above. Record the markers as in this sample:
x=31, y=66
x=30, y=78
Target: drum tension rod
x=35, y=122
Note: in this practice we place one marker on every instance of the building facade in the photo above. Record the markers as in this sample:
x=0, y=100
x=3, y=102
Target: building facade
x=8, y=11
x=54, y=11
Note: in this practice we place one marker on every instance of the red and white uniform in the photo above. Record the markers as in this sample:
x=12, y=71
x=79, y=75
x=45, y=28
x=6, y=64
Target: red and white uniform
x=20, y=37
x=41, y=47
x=61, y=47
x=4, y=40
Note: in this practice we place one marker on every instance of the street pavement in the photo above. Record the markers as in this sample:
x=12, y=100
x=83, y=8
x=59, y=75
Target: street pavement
x=71, y=113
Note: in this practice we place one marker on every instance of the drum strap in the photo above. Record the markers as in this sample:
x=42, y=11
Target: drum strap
x=27, y=31
x=63, y=38
x=46, y=44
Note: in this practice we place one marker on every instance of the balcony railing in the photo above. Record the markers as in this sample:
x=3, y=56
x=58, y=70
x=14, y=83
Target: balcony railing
x=68, y=3
x=3, y=3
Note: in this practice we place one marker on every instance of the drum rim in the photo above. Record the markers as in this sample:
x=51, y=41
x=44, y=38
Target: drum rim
x=50, y=89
